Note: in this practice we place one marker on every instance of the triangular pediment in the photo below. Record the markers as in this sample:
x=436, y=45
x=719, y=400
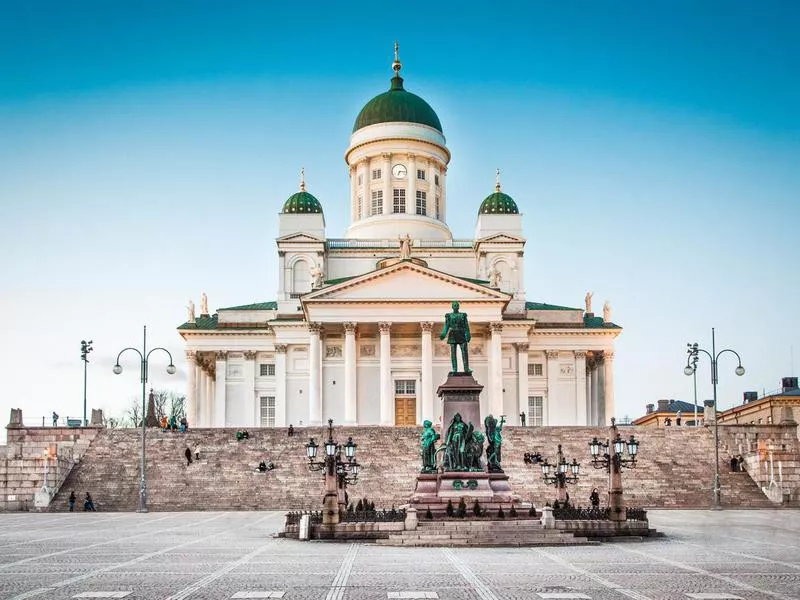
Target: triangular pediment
x=500, y=238
x=299, y=237
x=406, y=282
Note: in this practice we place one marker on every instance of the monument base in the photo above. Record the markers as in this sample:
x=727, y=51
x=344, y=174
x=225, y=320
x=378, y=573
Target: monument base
x=434, y=490
x=461, y=394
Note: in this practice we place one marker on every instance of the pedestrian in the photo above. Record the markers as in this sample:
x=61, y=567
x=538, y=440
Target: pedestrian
x=262, y=467
x=197, y=453
x=72, y=501
x=88, y=503
x=522, y=418
x=678, y=418
x=184, y=424
x=188, y=455
x=734, y=464
x=55, y=418
x=291, y=430
x=594, y=498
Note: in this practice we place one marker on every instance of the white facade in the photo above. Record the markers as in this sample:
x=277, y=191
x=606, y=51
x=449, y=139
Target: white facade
x=353, y=333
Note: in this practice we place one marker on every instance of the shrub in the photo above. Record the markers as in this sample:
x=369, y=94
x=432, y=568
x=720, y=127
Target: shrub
x=500, y=513
x=476, y=509
x=532, y=511
x=449, y=511
x=512, y=512
x=428, y=514
x=462, y=509
x=360, y=506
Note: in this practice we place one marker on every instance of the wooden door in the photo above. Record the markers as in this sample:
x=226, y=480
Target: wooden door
x=405, y=411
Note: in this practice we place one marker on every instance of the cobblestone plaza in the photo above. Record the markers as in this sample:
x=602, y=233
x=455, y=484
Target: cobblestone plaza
x=750, y=555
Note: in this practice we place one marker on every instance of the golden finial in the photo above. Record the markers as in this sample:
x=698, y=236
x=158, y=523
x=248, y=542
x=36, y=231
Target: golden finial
x=396, y=64
x=302, y=180
x=497, y=181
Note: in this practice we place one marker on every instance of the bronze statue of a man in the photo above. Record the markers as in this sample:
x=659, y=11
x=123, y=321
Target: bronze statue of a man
x=456, y=328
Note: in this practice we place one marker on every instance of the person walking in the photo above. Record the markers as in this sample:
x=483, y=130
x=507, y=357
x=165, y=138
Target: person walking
x=72, y=501
x=594, y=498
x=522, y=419
x=188, y=455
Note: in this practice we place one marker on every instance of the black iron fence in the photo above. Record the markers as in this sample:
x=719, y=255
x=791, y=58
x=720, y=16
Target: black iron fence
x=374, y=516
x=293, y=517
x=635, y=514
x=576, y=513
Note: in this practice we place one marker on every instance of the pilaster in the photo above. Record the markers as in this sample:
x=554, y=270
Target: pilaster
x=387, y=418
x=426, y=371
x=280, y=385
x=495, y=371
x=249, y=376
x=350, y=374
x=522, y=381
x=552, y=378
x=314, y=375
x=581, y=403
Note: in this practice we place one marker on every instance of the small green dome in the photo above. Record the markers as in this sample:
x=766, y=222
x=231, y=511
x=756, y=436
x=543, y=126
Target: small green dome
x=397, y=105
x=497, y=204
x=302, y=202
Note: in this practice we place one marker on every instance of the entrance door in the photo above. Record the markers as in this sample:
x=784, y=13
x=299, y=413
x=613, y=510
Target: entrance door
x=405, y=411
x=405, y=402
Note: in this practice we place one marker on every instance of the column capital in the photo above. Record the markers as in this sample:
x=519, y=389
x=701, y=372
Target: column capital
x=608, y=355
x=385, y=327
x=315, y=328
x=249, y=355
x=191, y=355
x=350, y=327
x=411, y=155
x=551, y=354
x=280, y=348
x=386, y=155
x=580, y=354
x=496, y=327
x=522, y=347
x=426, y=326
x=221, y=355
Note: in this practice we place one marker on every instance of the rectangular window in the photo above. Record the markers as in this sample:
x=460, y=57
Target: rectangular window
x=399, y=205
x=535, y=410
x=535, y=369
x=422, y=203
x=360, y=179
x=421, y=174
x=360, y=207
x=267, y=411
x=405, y=387
x=267, y=370
x=437, y=207
x=376, y=174
x=436, y=179
x=377, y=203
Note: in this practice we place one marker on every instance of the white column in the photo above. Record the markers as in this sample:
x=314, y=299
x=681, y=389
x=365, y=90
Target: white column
x=387, y=418
x=387, y=183
x=314, y=375
x=280, y=385
x=442, y=194
x=249, y=375
x=552, y=378
x=365, y=187
x=350, y=375
x=581, y=415
x=353, y=194
x=496, y=371
x=595, y=400
x=199, y=409
x=411, y=201
x=219, y=390
x=191, y=387
x=522, y=392
x=208, y=416
x=608, y=384
x=426, y=371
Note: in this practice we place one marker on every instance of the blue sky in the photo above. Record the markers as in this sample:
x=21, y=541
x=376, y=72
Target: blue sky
x=146, y=149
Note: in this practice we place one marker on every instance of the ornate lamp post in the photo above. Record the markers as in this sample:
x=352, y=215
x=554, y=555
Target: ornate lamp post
x=613, y=460
x=86, y=347
x=690, y=369
x=339, y=472
x=144, y=365
x=560, y=474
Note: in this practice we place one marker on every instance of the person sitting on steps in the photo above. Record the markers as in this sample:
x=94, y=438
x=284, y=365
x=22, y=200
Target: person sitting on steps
x=88, y=504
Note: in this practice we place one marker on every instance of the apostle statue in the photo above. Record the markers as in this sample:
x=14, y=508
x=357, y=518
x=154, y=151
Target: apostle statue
x=204, y=304
x=456, y=328
x=589, y=301
x=405, y=247
x=428, y=439
x=495, y=277
x=607, y=312
x=190, y=308
x=316, y=276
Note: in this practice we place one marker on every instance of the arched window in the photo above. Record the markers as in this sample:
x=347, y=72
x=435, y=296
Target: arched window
x=301, y=278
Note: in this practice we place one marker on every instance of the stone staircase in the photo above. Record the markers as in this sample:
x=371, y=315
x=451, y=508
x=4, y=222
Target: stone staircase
x=675, y=468
x=483, y=534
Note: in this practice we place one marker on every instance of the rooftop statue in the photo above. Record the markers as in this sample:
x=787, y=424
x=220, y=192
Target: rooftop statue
x=190, y=308
x=405, y=247
x=456, y=329
x=204, y=304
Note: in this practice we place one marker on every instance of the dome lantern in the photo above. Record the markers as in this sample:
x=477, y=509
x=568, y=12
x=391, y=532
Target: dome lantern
x=302, y=202
x=498, y=203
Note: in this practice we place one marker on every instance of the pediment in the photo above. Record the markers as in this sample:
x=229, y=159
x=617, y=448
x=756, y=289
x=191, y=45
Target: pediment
x=500, y=238
x=299, y=237
x=406, y=282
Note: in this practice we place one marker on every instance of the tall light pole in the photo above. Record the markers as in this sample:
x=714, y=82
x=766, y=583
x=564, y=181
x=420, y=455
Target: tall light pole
x=693, y=361
x=86, y=347
x=690, y=369
x=613, y=460
x=144, y=357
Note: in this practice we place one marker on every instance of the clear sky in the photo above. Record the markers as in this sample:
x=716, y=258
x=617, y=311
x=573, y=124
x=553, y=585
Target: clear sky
x=146, y=148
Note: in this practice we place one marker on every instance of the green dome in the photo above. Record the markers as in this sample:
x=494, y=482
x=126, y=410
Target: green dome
x=498, y=204
x=397, y=105
x=302, y=202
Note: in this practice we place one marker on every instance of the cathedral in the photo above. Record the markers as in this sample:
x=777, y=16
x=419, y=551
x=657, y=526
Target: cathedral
x=353, y=332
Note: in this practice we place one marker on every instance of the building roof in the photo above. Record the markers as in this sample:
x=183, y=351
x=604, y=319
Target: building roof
x=397, y=105
x=545, y=306
x=302, y=203
x=498, y=203
x=272, y=305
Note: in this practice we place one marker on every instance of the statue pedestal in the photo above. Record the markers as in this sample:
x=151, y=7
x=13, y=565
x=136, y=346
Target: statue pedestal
x=434, y=490
x=461, y=394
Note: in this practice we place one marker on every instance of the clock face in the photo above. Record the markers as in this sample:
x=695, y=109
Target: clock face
x=399, y=171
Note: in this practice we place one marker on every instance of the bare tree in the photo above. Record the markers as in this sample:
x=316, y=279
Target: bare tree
x=177, y=405
x=133, y=415
x=161, y=401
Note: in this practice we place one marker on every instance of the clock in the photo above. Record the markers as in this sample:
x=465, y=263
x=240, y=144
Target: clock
x=399, y=171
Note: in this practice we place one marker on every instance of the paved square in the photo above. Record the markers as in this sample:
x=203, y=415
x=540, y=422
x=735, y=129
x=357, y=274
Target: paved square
x=751, y=555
